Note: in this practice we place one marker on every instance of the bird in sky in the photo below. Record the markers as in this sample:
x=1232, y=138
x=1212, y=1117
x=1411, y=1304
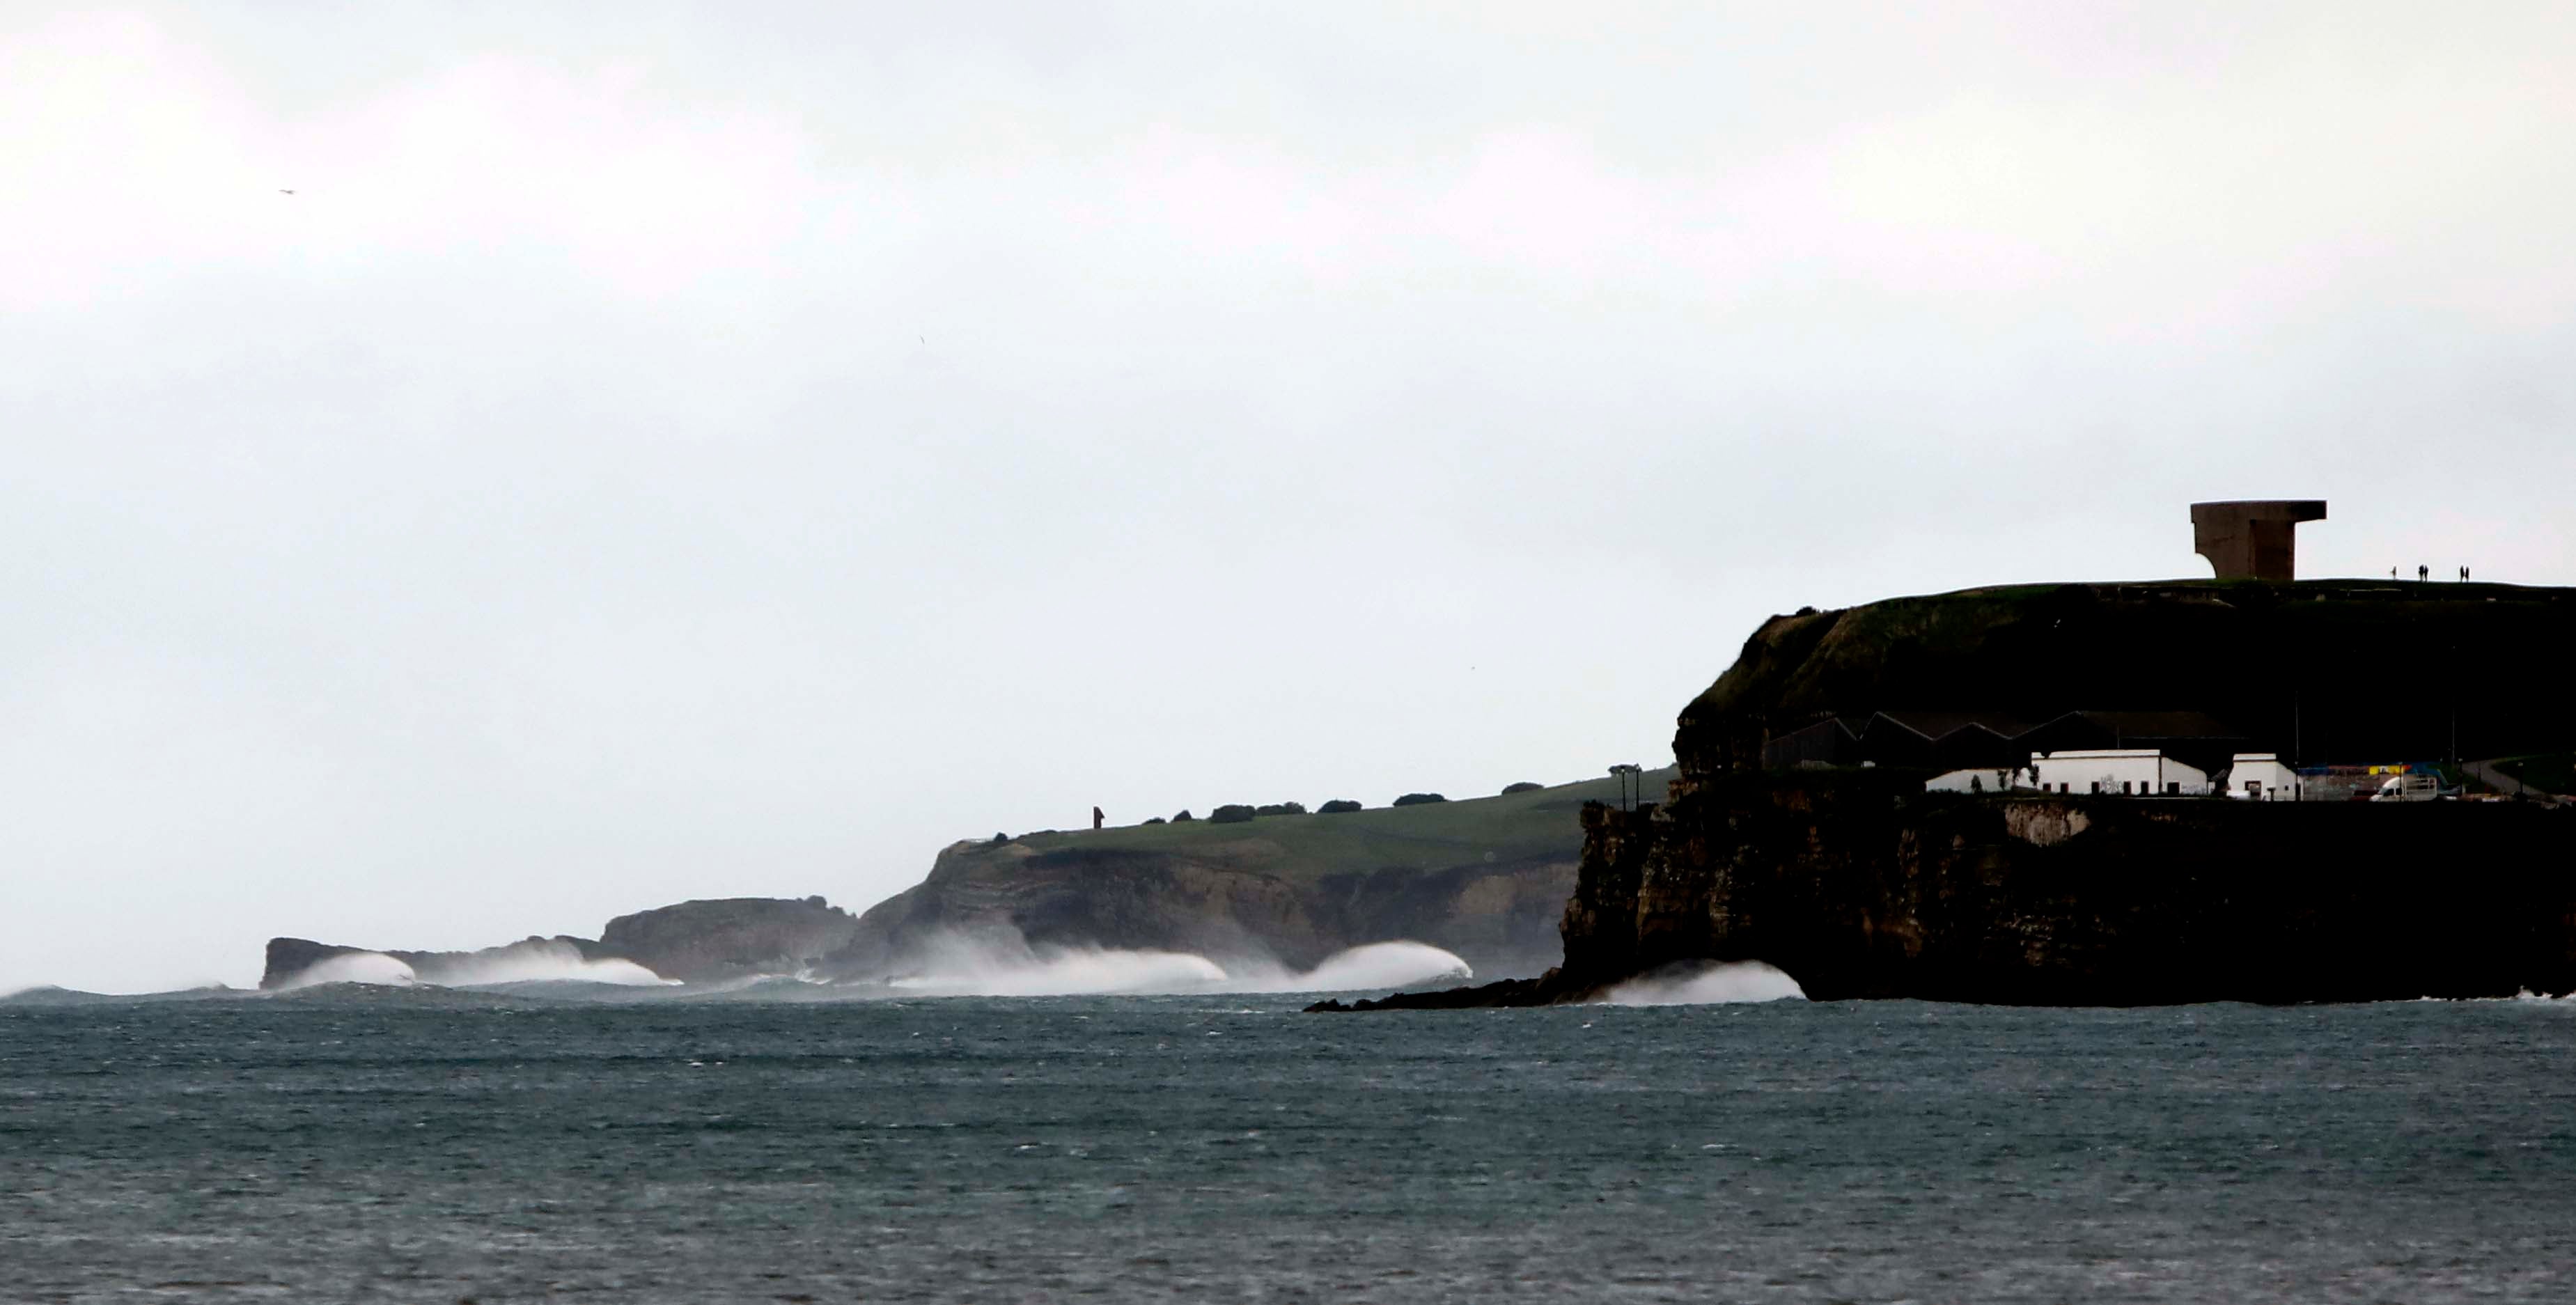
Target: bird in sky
x=283, y=191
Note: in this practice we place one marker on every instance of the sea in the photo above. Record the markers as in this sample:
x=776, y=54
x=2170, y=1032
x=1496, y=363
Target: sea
x=549, y=1143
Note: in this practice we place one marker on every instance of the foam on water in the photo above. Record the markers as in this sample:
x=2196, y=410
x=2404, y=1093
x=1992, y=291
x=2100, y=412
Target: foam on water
x=372, y=968
x=546, y=961
x=1741, y=981
x=1006, y=965
x=1370, y=965
x=985, y=968
x=542, y=961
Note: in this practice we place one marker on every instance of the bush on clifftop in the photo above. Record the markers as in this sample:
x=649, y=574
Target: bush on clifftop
x=1232, y=813
x=1417, y=799
x=1338, y=806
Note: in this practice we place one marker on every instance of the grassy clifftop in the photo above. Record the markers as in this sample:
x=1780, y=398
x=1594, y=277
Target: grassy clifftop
x=1517, y=826
x=2357, y=669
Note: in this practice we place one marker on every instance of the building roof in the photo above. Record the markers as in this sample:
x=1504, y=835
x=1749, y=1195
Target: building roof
x=1941, y=724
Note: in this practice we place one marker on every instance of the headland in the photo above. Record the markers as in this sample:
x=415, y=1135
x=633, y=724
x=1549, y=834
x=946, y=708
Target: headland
x=1780, y=843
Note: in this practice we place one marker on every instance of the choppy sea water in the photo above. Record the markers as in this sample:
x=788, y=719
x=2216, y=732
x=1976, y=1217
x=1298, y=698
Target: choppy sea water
x=426, y=1146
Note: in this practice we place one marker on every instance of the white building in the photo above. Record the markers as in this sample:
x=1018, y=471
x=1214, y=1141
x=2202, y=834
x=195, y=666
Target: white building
x=2260, y=777
x=2138, y=772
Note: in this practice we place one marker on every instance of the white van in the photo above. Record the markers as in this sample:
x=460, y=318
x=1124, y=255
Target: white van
x=2408, y=788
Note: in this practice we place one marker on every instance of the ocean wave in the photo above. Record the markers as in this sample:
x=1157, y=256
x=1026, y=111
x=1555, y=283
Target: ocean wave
x=541, y=961
x=1005, y=965
x=1741, y=981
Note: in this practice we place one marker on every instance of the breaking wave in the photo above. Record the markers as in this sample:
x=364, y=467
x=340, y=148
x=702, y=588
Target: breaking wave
x=544, y=961
x=1741, y=981
x=1006, y=966
x=1380, y=965
x=372, y=968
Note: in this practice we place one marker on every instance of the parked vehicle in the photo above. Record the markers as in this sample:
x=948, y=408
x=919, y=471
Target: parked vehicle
x=2412, y=786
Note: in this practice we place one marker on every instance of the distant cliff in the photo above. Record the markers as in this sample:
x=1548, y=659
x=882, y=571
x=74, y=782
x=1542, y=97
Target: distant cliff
x=1486, y=878
x=693, y=942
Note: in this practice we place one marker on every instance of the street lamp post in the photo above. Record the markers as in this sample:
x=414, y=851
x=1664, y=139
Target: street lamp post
x=1631, y=784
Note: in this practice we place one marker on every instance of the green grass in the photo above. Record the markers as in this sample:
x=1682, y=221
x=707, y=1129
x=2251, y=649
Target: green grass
x=1539, y=823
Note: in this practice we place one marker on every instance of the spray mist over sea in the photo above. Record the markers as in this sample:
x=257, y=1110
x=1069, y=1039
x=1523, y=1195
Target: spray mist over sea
x=538, y=961
x=1742, y=981
x=1006, y=965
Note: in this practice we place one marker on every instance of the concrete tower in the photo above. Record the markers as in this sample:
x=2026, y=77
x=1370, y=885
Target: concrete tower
x=2252, y=539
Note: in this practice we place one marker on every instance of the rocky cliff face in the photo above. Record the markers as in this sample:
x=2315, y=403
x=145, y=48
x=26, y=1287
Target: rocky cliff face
x=1859, y=888
x=1247, y=897
x=1859, y=884
x=1485, y=878
x=731, y=938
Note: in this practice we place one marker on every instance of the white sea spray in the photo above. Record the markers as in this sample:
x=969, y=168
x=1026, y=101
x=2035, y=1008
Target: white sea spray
x=1741, y=981
x=1003, y=964
x=535, y=961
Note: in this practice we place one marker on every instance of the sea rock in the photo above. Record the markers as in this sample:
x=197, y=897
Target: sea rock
x=695, y=942
x=731, y=938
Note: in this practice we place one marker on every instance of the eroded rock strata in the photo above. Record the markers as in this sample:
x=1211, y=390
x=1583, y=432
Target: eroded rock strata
x=1859, y=888
x=1862, y=889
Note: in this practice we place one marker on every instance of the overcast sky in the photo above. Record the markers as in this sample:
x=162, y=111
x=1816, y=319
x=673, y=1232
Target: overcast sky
x=680, y=451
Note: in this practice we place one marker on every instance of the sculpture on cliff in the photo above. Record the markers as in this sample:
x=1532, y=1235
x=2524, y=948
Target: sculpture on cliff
x=2252, y=539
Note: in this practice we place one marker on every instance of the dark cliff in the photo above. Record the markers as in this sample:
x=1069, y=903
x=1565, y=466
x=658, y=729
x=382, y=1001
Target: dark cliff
x=731, y=938
x=1860, y=888
x=2333, y=670
x=1859, y=884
